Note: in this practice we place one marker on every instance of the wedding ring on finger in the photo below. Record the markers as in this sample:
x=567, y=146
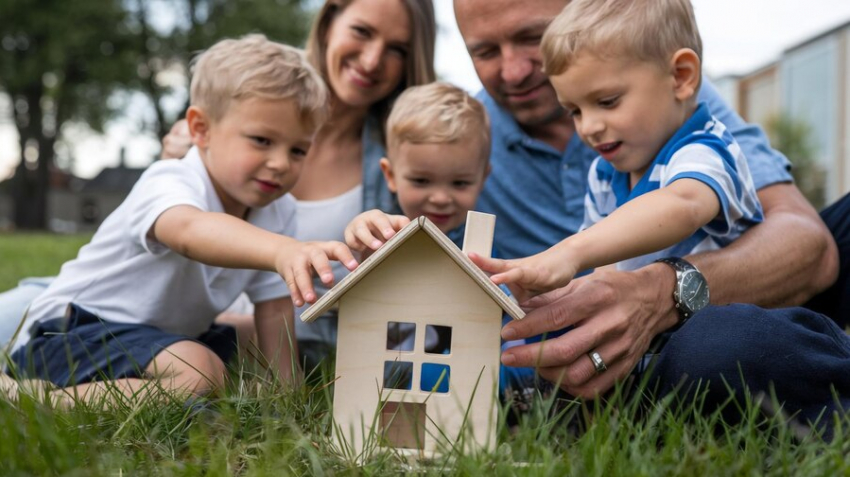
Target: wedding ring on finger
x=598, y=364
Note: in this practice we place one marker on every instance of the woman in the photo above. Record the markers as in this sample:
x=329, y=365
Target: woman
x=368, y=52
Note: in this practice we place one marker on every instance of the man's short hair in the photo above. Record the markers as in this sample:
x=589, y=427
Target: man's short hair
x=255, y=67
x=437, y=113
x=650, y=30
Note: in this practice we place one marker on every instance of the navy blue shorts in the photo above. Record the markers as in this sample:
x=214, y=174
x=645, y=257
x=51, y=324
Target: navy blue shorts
x=85, y=348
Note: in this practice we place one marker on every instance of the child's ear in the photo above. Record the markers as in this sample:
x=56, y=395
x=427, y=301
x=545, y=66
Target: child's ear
x=389, y=175
x=686, y=70
x=199, y=126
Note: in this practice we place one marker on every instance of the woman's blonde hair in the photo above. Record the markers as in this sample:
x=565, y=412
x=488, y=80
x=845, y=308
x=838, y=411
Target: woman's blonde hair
x=255, y=67
x=650, y=30
x=420, y=58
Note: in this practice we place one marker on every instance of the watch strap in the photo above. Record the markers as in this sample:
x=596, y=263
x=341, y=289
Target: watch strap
x=680, y=266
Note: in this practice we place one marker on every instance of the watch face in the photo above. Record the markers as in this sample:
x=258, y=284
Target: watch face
x=694, y=291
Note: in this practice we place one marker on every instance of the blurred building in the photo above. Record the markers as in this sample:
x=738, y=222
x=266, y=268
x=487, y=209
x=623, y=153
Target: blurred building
x=75, y=204
x=810, y=82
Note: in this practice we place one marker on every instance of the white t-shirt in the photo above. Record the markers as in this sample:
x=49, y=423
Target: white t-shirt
x=123, y=275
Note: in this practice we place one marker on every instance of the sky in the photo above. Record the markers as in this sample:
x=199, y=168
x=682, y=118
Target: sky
x=738, y=36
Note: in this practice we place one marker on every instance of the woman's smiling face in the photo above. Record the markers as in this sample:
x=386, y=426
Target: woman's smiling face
x=367, y=47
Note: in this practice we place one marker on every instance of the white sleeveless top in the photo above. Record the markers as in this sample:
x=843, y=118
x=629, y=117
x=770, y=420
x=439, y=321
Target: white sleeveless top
x=324, y=220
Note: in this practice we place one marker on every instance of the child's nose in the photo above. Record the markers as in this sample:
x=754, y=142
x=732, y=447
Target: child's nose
x=589, y=126
x=278, y=163
x=440, y=197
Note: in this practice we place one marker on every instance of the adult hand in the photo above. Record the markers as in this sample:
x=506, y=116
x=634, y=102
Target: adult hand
x=177, y=142
x=616, y=314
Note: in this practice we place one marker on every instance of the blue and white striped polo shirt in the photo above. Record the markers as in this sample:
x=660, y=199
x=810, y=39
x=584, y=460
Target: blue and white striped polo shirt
x=702, y=149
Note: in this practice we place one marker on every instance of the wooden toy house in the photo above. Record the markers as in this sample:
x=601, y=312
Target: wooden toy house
x=408, y=393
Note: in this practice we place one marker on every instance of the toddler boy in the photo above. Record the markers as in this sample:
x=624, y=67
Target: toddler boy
x=670, y=180
x=438, y=149
x=138, y=302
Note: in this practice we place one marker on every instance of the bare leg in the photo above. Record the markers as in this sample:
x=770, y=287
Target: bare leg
x=184, y=369
x=8, y=387
x=106, y=393
x=188, y=366
x=11, y=388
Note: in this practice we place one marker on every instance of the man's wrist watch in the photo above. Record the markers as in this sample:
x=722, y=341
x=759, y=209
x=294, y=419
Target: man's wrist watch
x=691, y=291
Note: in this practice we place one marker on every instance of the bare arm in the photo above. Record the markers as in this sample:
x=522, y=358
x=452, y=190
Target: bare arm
x=225, y=241
x=276, y=335
x=651, y=222
x=783, y=261
x=788, y=258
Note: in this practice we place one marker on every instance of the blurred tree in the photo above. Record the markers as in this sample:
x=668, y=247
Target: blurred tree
x=56, y=67
x=63, y=61
x=171, y=32
x=794, y=139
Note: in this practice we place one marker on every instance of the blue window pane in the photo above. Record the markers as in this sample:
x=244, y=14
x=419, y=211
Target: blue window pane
x=435, y=378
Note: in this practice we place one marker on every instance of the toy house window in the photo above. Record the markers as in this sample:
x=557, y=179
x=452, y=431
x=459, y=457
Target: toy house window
x=434, y=378
x=401, y=336
x=398, y=375
x=443, y=342
x=403, y=424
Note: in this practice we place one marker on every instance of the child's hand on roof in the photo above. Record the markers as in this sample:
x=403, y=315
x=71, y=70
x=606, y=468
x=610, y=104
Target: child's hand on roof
x=296, y=263
x=530, y=276
x=369, y=230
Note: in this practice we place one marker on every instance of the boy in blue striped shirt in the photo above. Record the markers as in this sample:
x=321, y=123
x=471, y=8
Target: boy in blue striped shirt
x=670, y=180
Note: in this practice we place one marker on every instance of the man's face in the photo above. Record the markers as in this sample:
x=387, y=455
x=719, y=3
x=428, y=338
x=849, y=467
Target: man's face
x=503, y=39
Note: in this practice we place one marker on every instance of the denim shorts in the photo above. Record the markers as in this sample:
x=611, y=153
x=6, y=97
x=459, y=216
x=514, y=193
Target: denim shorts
x=85, y=348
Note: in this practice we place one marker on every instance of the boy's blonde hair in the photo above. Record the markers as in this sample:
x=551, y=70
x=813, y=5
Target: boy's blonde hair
x=437, y=113
x=255, y=67
x=650, y=30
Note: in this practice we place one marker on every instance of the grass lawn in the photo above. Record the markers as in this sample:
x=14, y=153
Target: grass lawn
x=257, y=428
x=35, y=254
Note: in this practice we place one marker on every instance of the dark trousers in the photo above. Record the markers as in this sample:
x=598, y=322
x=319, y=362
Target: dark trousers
x=800, y=354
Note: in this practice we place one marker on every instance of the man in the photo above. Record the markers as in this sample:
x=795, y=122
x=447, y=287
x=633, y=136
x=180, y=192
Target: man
x=616, y=315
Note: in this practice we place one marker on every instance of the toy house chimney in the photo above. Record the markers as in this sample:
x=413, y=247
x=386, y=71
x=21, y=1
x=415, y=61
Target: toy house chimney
x=478, y=237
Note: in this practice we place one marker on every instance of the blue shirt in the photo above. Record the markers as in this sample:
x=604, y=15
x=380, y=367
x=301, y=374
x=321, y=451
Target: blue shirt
x=537, y=192
x=703, y=150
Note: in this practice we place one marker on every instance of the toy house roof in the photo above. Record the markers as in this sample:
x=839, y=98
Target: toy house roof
x=420, y=225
